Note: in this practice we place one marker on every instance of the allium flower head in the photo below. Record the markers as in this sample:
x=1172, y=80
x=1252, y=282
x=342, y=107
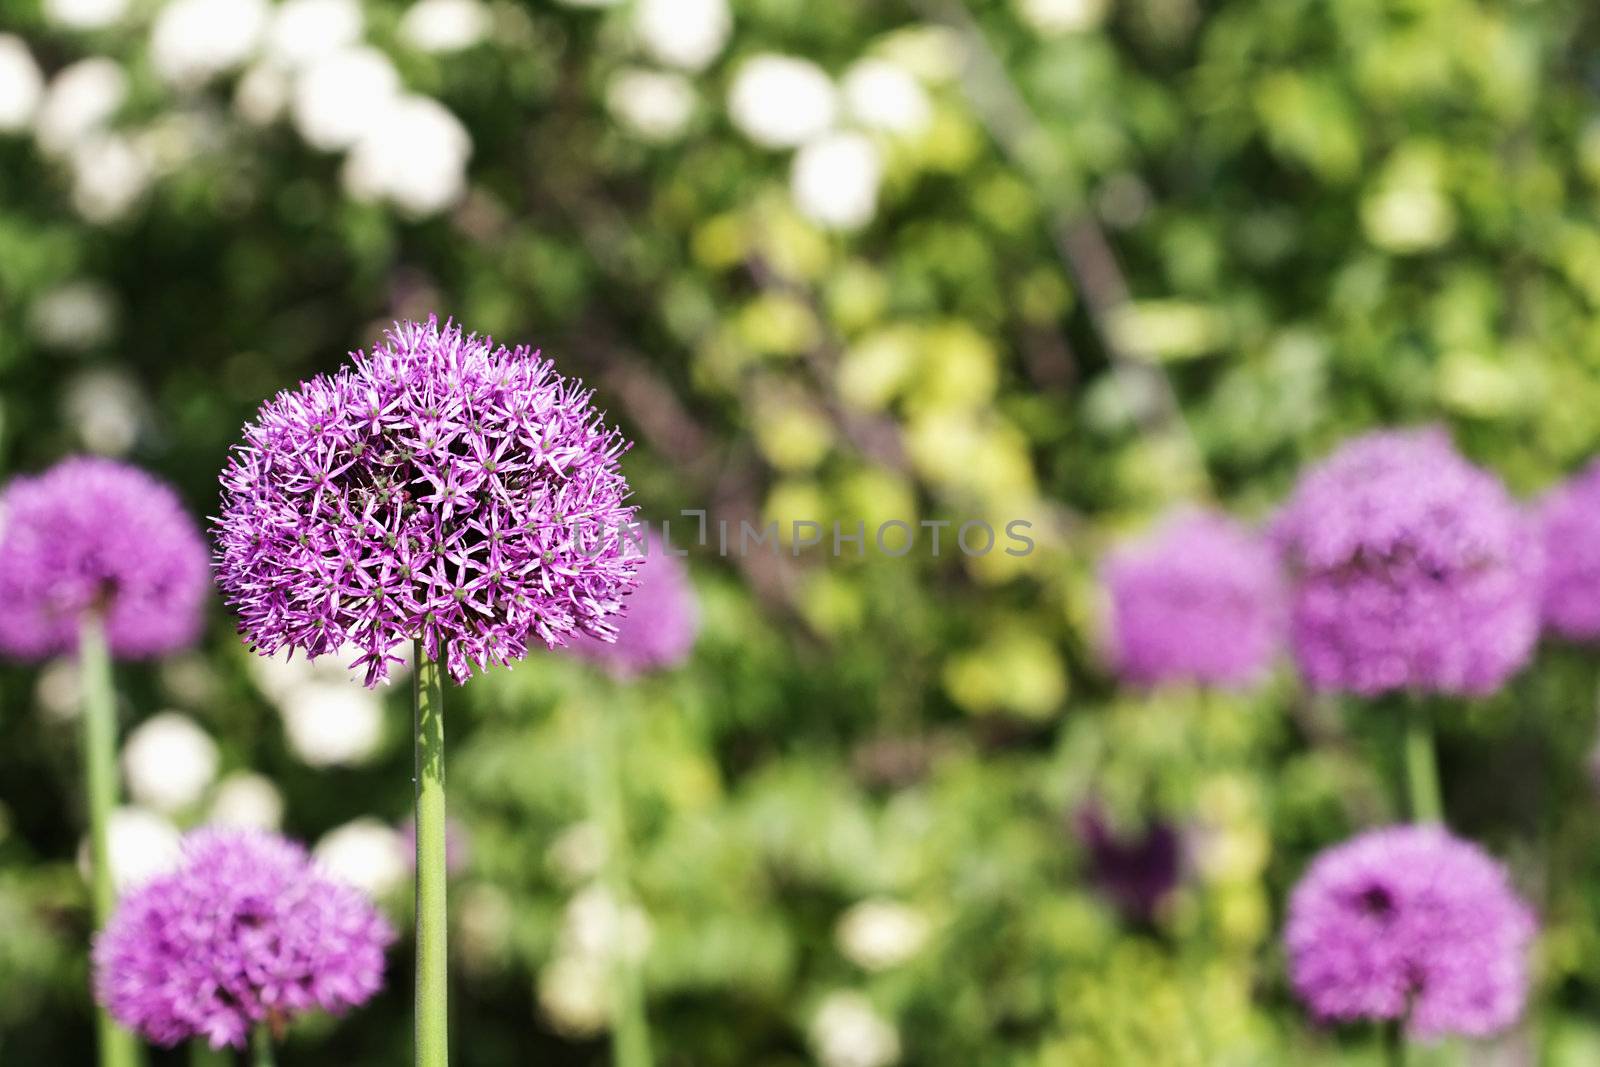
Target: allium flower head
x=1412, y=569
x=1198, y=601
x=1408, y=922
x=437, y=488
x=97, y=535
x=247, y=931
x=662, y=622
x=1570, y=521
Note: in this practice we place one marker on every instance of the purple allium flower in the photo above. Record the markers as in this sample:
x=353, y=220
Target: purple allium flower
x=246, y=931
x=1410, y=922
x=439, y=488
x=662, y=622
x=1570, y=521
x=1137, y=873
x=1412, y=569
x=97, y=535
x=1199, y=601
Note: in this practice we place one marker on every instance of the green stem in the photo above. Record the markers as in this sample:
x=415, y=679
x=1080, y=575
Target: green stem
x=118, y=1048
x=1394, y=1044
x=261, y=1043
x=432, y=1012
x=630, y=1043
x=1422, y=770
x=203, y=1055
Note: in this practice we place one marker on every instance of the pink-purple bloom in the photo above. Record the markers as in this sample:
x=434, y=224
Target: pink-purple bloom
x=1409, y=922
x=95, y=535
x=662, y=622
x=439, y=488
x=1412, y=569
x=246, y=932
x=1570, y=521
x=1199, y=601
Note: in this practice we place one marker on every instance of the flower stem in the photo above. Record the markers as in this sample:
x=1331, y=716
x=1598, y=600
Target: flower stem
x=1422, y=770
x=261, y=1043
x=432, y=1029
x=1394, y=1043
x=118, y=1048
x=630, y=1033
x=202, y=1054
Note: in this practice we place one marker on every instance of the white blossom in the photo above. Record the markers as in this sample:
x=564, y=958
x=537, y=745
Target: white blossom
x=445, y=25
x=247, y=800
x=781, y=101
x=106, y=410
x=1053, y=17
x=168, y=761
x=141, y=843
x=341, y=96
x=110, y=174
x=885, y=96
x=835, y=179
x=332, y=723
x=579, y=852
x=879, y=934
x=262, y=94
x=653, y=104
x=366, y=853
x=596, y=924
x=58, y=691
x=76, y=315
x=687, y=34
x=575, y=994
x=79, y=102
x=303, y=31
x=847, y=1031
x=193, y=41
x=84, y=14
x=21, y=84
x=414, y=155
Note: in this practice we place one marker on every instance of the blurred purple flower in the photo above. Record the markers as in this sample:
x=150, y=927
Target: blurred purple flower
x=439, y=488
x=1570, y=521
x=97, y=535
x=1410, y=922
x=1136, y=873
x=1199, y=601
x=247, y=931
x=662, y=620
x=1412, y=569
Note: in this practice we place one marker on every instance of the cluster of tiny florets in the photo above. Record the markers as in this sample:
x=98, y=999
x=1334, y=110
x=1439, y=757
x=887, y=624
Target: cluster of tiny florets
x=439, y=489
x=1411, y=569
x=662, y=620
x=95, y=535
x=1200, y=601
x=1410, y=923
x=1570, y=520
x=247, y=932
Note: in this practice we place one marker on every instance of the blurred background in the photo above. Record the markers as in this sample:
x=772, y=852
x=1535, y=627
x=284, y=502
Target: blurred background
x=1068, y=261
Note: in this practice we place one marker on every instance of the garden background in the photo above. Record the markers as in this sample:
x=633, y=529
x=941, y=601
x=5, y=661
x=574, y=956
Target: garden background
x=1075, y=262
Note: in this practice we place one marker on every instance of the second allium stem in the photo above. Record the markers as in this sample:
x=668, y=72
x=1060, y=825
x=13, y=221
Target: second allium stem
x=1422, y=769
x=117, y=1047
x=432, y=1013
x=630, y=1025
